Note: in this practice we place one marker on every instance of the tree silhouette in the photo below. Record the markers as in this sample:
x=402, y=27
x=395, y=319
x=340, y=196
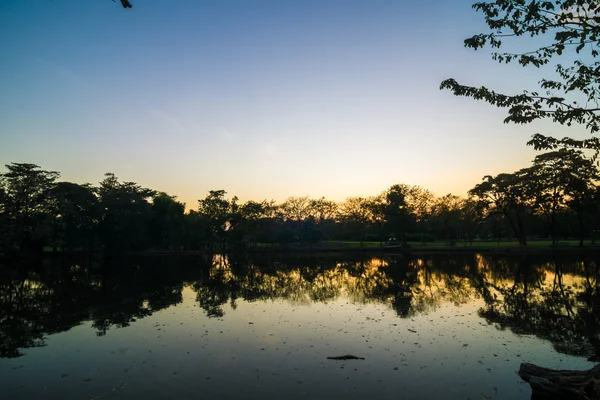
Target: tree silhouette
x=25, y=206
x=568, y=28
x=508, y=193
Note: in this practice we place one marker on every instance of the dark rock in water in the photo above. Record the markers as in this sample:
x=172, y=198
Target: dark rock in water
x=549, y=383
x=346, y=357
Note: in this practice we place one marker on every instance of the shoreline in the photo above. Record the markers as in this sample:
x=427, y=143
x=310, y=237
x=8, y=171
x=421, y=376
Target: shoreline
x=391, y=250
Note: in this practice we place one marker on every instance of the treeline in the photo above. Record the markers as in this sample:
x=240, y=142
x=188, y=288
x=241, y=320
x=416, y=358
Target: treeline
x=555, y=197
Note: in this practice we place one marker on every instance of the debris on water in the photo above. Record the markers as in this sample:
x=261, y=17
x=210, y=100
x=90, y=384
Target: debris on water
x=64, y=375
x=346, y=357
x=121, y=386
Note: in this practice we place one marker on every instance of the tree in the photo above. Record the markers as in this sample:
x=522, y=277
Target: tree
x=561, y=179
x=323, y=209
x=197, y=231
x=395, y=211
x=296, y=208
x=510, y=194
x=219, y=212
x=310, y=232
x=356, y=213
x=569, y=28
x=447, y=212
x=470, y=217
x=166, y=222
x=125, y=214
x=581, y=177
x=6, y=241
x=25, y=208
x=324, y=212
x=256, y=221
x=419, y=203
x=75, y=213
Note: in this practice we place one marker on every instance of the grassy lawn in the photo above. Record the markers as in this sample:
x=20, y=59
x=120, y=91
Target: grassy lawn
x=475, y=244
x=334, y=243
x=537, y=243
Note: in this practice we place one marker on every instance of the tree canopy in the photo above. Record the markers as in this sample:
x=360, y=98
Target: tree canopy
x=557, y=196
x=566, y=38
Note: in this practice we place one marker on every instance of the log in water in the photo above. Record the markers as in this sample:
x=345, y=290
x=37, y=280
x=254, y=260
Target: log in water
x=346, y=357
x=549, y=383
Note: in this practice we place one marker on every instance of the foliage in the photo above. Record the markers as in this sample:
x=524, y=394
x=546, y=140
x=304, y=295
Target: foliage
x=125, y=214
x=25, y=206
x=166, y=226
x=566, y=37
x=510, y=195
x=75, y=214
x=560, y=179
x=556, y=196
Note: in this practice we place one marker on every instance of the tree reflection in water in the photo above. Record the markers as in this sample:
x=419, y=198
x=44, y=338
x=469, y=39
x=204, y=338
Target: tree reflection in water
x=554, y=298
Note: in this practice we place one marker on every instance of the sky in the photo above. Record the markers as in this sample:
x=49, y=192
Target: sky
x=265, y=99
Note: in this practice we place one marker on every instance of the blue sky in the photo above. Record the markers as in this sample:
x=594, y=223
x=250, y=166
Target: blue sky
x=265, y=99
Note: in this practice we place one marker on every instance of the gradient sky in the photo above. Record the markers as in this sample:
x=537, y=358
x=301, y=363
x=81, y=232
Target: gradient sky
x=263, y=98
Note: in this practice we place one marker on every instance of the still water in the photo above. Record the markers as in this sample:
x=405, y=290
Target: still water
x=440, y=326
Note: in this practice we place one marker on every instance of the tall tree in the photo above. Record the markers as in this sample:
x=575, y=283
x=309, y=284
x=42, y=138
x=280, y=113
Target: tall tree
x=396, y=212
x=324, y=212
x=6, y=240
x=322, y=209
x=356, y=214
x=575, y=176
x=561, y=179
x=419, y=202
x=447, y=213
x=470, y=218
x=218, y=211
x=125, y=214
x=75, y=214
x=256, y=221
x=25, y=196
x=511, y=195
x=296, y=208
x=166, y=222
x=569, y=28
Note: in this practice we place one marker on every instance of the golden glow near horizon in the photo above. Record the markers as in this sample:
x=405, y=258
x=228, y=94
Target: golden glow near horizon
x=345, y=112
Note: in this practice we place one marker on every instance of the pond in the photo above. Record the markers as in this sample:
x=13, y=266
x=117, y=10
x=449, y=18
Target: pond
x=263, y=326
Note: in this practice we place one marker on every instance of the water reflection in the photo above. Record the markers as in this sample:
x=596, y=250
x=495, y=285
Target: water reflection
x=555, y=299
